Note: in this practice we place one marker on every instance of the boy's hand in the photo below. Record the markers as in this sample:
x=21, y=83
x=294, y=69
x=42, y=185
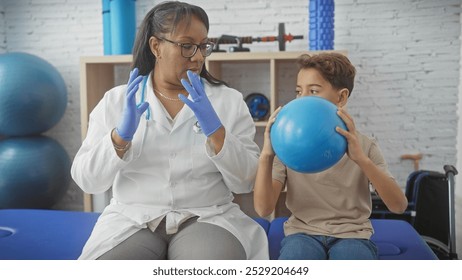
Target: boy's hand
x=267, y=146
x=354, y=150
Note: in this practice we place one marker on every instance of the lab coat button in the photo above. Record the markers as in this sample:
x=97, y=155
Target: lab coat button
x=173, y=184
x=172, y=155
x=146, y=217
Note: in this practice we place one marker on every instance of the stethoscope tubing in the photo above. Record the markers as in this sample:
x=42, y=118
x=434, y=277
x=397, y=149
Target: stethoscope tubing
x=196, y=127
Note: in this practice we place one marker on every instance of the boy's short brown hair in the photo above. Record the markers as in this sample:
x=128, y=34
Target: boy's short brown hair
x=334, y=68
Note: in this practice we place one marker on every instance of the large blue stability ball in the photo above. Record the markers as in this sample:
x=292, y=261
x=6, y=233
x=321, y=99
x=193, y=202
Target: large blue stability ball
x=33, y=95
x=34, y=172
x=304, y=136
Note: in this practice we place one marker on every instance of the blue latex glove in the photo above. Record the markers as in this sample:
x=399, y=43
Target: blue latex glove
x=200, y=104
x=131, y=113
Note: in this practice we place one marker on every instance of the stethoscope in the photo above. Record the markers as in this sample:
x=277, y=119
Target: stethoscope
x=143, y=98
x=196, y=127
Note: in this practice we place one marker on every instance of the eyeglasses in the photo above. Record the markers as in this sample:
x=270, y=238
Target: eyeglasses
x=188, y=50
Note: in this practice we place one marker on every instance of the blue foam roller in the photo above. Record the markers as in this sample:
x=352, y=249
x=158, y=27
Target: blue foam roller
x=123, y=26
x=321, y=24
x=107, y=27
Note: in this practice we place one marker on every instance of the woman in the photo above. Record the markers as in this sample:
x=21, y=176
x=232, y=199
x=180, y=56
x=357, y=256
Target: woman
x=172, y=168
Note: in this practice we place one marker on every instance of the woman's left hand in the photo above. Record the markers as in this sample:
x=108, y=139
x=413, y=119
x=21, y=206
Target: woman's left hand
x=200, y=104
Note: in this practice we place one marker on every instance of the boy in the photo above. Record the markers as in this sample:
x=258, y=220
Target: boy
x=330, y=209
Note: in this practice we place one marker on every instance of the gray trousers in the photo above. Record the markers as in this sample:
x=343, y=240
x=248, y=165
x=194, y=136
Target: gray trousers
x=192, y=241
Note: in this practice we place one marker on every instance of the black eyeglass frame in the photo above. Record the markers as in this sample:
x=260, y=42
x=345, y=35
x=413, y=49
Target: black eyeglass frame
x=184, y=47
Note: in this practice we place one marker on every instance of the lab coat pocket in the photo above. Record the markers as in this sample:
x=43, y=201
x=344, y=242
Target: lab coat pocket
x=136, y=146
x=138, y=140
x=201, y=163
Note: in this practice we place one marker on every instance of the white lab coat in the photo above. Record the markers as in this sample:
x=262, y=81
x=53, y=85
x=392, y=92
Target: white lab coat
x=170, y=171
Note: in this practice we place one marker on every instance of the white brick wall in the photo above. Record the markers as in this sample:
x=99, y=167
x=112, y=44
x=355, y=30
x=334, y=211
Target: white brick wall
x=407, y=55
x=2, y=29
x=404, y=52
x=458, y=190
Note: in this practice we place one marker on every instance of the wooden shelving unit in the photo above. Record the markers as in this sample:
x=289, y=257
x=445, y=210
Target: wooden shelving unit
x=272, y=59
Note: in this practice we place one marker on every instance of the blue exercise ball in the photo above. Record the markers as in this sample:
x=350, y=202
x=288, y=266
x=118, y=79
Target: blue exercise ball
x=33, y=95
x=304, y=136
x=34, y=172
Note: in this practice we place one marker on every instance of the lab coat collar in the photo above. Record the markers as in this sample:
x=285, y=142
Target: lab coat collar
x=157, y=112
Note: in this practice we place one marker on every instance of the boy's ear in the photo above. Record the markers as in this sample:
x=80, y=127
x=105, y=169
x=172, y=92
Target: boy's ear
x=343, y=97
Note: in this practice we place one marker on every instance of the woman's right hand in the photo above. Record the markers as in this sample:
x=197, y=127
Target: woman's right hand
x=267, y=146
x=131, y=113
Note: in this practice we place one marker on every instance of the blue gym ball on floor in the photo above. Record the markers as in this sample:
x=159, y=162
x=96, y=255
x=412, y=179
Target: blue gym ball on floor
x=304, y=136
x=33, y=95
x=34, y=172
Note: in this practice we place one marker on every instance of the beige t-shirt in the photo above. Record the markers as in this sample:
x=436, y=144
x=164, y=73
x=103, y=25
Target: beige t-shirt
x=335, y=202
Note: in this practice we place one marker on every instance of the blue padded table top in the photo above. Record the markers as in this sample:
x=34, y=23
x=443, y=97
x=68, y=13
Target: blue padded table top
x=395, y=240
x=407, y=243
x=30, y=234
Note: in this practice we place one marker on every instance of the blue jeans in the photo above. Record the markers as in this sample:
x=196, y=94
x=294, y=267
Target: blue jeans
x=301, y=246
